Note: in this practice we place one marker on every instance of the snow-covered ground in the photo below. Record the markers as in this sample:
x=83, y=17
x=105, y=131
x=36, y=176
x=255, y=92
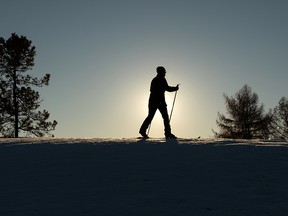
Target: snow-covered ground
x=103, y=177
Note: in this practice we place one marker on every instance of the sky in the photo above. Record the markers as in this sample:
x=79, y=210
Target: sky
x=103, y=54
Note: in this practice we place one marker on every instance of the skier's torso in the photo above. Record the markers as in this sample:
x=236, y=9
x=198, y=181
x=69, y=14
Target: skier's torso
x=157, y=90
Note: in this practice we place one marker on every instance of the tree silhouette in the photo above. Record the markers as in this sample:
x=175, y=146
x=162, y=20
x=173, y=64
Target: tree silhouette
x=246, y=119
x=280, y=119
x=19, y=102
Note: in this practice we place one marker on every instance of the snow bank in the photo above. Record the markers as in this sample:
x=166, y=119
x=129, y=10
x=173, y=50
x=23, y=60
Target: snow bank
x=137, y=177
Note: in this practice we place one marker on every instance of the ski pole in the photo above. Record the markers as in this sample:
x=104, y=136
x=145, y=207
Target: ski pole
x=173, y=104
x=149, y=129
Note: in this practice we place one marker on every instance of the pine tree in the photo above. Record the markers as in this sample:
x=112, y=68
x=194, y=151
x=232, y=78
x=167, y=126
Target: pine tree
x=280, y=119
x=246, y=119
x=19, y=102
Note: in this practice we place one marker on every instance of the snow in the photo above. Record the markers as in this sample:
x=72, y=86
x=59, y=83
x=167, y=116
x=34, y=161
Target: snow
x=103, y=177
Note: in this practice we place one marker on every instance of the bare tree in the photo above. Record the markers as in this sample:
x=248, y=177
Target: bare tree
x=246, y=119
x=19, y=102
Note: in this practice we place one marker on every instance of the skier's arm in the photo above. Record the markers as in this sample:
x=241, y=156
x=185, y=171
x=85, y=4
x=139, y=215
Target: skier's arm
x=172, y=88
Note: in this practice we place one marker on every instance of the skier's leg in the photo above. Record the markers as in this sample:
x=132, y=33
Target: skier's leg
x=147, y=121
x=164, y=113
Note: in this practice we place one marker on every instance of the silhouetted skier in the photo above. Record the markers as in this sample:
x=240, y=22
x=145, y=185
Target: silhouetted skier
x=157, y=101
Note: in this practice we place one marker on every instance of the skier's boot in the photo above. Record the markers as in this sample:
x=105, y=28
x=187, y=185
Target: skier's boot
x=143, y=134
x=170, y=136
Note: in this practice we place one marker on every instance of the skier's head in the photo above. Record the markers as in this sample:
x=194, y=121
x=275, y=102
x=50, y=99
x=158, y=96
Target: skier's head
x=161, y=71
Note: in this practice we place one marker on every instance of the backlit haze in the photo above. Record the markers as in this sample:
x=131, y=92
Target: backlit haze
x=102, y=56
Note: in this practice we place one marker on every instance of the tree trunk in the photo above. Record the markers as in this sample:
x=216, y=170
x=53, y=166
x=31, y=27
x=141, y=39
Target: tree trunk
x=16, y=122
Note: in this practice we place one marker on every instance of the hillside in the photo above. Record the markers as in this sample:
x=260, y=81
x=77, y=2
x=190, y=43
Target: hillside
x=137, y=177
